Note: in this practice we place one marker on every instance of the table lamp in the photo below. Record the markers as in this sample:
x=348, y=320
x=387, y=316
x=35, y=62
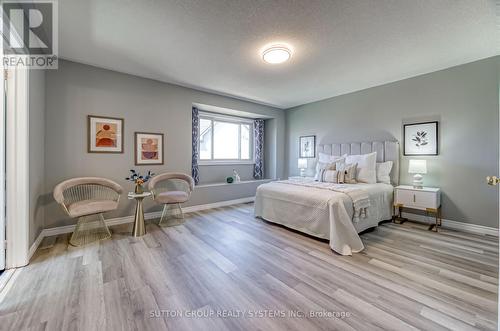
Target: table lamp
x=302, y=164
x=417, y=167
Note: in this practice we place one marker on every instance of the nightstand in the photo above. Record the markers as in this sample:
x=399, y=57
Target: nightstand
x=427, y=199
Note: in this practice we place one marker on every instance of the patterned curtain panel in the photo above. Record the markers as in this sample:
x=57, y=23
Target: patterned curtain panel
x=195, y=171
x=258, y=137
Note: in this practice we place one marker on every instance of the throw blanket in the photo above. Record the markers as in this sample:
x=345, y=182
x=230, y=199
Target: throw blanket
x=360, y=199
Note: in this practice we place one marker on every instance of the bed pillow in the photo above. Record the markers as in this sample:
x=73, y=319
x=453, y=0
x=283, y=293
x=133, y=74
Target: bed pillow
x=333, y=176
x=327, y=158
x=321, y=167
x=384, y=172
x=349, y=170
x=366, y=171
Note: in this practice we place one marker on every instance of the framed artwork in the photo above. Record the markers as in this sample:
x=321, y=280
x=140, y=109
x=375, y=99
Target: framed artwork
x=148, y=148
x=421, y=138
x=307, y=147
x=105, y=134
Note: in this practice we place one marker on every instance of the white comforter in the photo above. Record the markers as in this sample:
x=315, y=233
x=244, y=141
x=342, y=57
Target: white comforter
x=323, y=212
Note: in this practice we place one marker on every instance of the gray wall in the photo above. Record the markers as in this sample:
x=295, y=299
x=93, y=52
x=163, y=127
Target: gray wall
x=465, y=101
x=76, y=90
x=36, y=152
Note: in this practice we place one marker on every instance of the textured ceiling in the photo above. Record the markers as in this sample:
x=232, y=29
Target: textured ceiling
x=339, y=46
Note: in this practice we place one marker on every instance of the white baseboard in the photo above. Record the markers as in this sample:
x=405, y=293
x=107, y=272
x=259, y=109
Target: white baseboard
x=219, y=204
x=129, y=219
x=7, y=280
x=35, y=245
x=466, y=227
x=454, y=225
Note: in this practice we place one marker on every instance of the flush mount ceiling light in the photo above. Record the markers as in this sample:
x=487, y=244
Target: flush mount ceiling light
x=276, y=54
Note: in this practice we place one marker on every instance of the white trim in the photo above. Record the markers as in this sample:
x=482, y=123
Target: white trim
x=8, y=281
x=129, y=219
x=35, y=245
x=17, y=168
x=461, y=226
x=213, y=117
x=225, y=162
x=3, y=145
x=5, y=277
x=213, y=205
x=255, y=181
x=224, y=118
x=228, y=111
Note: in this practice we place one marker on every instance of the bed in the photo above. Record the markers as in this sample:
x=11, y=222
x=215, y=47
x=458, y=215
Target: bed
x=326, y=210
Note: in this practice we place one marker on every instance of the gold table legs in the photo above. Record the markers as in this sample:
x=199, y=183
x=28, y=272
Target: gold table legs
x=398, y=219
x=139, y=225
x=437, y=214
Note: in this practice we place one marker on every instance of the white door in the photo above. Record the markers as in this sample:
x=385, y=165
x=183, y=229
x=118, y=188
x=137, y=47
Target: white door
x=2, y=170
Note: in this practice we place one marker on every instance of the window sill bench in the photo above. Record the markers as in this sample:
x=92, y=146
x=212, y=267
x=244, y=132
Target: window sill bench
x=261, y=181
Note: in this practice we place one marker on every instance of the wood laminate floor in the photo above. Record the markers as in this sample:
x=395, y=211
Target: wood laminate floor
x=225, y=270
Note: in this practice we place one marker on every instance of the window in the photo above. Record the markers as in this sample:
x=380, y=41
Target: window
x=225, y=139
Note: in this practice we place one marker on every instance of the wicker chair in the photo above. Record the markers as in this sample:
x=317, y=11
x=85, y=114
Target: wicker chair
x=171, y=199
x=84, y=198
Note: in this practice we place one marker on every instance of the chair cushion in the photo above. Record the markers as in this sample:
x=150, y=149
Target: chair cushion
x=89, y=207
x=172, y=197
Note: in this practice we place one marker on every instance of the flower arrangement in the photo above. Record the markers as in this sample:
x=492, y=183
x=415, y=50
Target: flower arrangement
x=139, y=179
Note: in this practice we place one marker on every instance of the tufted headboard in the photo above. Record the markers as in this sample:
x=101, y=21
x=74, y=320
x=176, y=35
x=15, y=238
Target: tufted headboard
x=386, y=151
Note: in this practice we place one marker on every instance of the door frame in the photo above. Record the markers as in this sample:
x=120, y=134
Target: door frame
x=3, y=145
x=17, y=168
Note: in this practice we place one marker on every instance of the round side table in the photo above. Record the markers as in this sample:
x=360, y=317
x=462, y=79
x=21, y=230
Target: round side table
x=139, y=226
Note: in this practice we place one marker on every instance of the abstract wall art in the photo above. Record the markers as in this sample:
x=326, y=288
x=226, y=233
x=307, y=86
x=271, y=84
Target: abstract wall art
x=148, y=148
x=105, y=134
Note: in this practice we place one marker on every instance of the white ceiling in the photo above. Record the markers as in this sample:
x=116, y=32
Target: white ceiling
x=339, y=46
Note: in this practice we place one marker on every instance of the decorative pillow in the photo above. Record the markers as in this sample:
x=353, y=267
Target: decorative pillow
x=321, y=167
x=349, y=171
x=384, y=172
x=326, y=162
x=333, y=176
x=367, y=167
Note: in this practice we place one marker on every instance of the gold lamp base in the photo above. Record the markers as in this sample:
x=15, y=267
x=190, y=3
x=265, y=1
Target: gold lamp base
x=418, y=181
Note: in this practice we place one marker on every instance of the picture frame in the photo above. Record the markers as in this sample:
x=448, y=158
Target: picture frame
x=105, y=134
x=149, y=148
x=421, y=139
x=307, y=147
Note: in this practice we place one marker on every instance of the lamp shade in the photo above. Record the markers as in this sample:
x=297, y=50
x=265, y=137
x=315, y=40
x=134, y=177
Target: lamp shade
x=417, y=167
x=302, y=164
